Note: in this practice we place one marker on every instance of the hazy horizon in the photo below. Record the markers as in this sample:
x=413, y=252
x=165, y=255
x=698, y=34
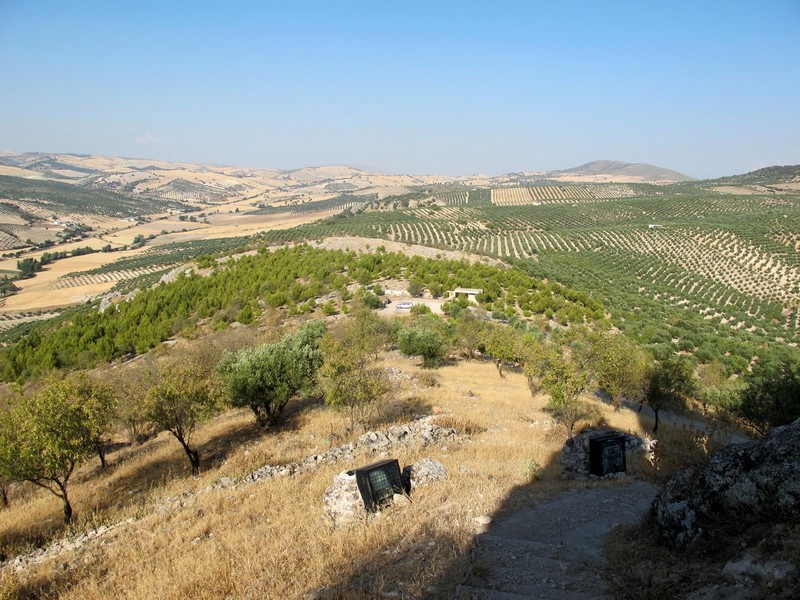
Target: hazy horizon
x=453, y=89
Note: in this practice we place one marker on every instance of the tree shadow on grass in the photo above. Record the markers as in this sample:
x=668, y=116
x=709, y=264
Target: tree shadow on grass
x=428, y=566
x=437, y=563
x=426, y=563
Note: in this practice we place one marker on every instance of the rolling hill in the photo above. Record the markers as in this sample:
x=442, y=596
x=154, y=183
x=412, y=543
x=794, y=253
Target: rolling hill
x=630, y=171
x=765, y=176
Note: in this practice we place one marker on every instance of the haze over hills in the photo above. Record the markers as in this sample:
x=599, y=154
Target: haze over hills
x=630, y=171
x=187, y=181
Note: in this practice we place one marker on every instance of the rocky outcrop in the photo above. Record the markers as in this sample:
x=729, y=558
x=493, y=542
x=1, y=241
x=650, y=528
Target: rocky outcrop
x=342, y=503
x=78, y=544
x=114, y=298
x=108, y=300
x=743, y=485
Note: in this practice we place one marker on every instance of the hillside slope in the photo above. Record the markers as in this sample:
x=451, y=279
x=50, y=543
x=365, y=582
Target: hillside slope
x=767, y=175
x=614, y=168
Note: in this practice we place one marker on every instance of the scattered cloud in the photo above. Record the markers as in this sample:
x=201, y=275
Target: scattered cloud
x=148, y=139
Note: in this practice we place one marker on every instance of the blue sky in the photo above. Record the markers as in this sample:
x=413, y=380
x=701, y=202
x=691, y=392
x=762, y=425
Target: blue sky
x=708, y=88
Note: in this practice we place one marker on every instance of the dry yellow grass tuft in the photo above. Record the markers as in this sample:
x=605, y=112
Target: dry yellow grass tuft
x=268, y=539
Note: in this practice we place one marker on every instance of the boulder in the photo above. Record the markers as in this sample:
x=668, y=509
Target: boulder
x=342, y=503
x=753, y=567
x=743, y=485
x=427, y=471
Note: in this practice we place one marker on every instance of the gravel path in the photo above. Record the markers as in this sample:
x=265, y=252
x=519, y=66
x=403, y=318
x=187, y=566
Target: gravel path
x=554, y=549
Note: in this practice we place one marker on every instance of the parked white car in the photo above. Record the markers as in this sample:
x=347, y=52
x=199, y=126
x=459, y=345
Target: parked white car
x=404, y=306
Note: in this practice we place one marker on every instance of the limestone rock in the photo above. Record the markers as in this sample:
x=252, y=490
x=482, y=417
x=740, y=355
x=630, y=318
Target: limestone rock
x=427, y=471
x=401, y=500
x=107, y=301
x=750, y=483
x=482, y=524
x=342, y=502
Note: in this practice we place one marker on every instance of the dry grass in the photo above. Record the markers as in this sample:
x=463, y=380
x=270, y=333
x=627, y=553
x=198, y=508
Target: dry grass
x=463, y=425
x=268, y=540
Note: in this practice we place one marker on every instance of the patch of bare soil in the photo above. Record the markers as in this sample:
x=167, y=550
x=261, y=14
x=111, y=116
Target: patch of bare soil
x=367, y=244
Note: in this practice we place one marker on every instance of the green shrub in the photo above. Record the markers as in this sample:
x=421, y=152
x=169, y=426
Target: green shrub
x=427, y=343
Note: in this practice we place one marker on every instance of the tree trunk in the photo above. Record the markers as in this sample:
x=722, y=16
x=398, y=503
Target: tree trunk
x=101, y=452
x=65, y=500
x=67, y=510
x=499, y=364
x=4, y=494
x=261, y=416
x=194, y=456
x=655, y=427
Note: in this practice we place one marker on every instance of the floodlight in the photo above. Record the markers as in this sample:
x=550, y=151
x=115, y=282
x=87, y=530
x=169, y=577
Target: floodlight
x=607, y=454
x=379, y=482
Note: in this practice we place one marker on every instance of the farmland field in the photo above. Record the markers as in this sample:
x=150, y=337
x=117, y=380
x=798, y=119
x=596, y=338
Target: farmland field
x=726, y=262
x=685, y=267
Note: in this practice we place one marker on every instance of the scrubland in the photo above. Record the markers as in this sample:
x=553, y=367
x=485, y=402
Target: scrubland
x=179, y=538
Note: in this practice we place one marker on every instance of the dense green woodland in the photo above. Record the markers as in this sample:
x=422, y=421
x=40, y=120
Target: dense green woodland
x=291, y=278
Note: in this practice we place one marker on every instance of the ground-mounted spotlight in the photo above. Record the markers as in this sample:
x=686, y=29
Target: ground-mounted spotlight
x=379, y=482
x=607, y=454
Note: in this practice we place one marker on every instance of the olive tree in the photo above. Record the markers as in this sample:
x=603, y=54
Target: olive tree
x=181, y=399
x=505, y=345
x=351, y=379
x=669, y=385
x=43, y=437
x=424, y=342
x=566, y=378
x=469, y=333
x=264, y=379
x=132, y=385
x=619, y=366
x=771, y=395
x=98, y=402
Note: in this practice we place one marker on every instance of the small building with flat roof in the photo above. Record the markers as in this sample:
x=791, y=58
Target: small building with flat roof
x=468, y=293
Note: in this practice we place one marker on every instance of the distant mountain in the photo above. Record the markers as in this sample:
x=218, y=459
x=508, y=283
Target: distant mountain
x=201, y=182
x=634, y=171
x=767, y=175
